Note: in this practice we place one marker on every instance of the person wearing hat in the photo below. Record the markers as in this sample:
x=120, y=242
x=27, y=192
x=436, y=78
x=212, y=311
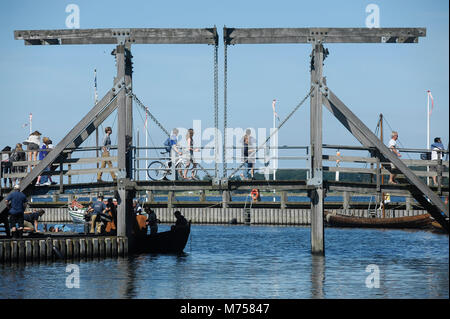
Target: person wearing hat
x=16, y=201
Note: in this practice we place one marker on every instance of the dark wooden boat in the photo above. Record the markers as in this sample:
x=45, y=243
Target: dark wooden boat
x=418, y=222
x=168, y=242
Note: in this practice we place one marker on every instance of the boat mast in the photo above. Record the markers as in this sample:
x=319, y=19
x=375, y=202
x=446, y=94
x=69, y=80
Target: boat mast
x=382, y=177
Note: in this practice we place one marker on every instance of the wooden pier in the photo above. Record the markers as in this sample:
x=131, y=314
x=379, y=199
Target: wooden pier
x=62, y=248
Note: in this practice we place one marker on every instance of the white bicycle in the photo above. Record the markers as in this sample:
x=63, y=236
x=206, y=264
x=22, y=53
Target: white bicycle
x=159, y=170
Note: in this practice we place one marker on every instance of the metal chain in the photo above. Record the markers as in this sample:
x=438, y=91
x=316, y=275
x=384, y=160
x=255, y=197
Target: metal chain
x=216, y=107
x=149, y=114
x=278, y=128
x=225, y=107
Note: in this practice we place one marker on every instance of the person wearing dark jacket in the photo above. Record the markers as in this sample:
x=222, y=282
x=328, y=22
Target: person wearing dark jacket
x=180, y=220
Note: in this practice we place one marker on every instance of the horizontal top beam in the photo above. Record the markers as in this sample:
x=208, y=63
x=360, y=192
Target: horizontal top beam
x=118, y=36
x=322, y=35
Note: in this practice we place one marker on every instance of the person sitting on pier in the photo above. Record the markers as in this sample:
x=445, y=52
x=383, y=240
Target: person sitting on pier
x=59, y=228
x=180, y=220
x=110, y=217
x=16, y=201
x=152, y=221
x=393, y=147
x=31, y=220
x=97, y=208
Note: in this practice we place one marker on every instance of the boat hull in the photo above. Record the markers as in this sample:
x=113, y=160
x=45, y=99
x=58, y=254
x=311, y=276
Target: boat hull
x=417, y=222
x=169, y=242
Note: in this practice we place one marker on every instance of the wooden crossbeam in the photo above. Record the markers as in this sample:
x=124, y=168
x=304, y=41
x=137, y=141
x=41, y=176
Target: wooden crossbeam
x=321, y=35
x=118, y=36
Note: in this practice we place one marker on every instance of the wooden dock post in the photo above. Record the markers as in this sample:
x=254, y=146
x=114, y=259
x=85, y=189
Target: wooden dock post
x=283, y=200
x=226, y=198
x=317, y=194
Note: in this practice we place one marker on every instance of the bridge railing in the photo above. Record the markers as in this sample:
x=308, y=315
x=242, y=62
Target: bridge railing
x=65, y=167
x=293, y=158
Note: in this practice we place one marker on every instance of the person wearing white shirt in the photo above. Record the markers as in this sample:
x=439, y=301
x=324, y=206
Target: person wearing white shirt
x=393, y=147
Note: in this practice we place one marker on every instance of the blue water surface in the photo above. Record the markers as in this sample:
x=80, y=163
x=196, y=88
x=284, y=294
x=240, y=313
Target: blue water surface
x=255, y=262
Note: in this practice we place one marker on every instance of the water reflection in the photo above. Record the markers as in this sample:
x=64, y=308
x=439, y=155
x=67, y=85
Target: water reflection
x=317, y=276
x=253, y=262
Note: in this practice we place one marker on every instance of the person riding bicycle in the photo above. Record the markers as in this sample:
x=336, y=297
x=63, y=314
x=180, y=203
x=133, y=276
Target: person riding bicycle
x=172, y=147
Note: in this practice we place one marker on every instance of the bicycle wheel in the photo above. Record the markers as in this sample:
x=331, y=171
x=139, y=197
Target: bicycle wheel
x=156, y=170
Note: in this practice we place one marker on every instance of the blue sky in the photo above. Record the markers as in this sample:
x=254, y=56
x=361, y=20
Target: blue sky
x=55, y=83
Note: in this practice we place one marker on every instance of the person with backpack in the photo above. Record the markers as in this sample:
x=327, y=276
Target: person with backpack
x=172, y=147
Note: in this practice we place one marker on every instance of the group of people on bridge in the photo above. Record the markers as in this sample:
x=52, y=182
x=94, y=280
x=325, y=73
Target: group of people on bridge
x=36, y=151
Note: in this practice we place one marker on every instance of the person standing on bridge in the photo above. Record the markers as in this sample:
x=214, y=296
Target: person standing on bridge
x=18, y=156
x=393, y=147
x=105, y=153
x=16, y=201
x=436, y=154
x=190, y=156
x=248, y=143
x=33, y=142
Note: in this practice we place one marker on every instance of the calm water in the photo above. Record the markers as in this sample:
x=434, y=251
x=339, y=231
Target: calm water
x=254, y=262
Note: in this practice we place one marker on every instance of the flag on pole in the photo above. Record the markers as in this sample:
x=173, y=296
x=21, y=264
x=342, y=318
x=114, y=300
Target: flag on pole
x=95, y=86
x=432, y=101
x=273, y=107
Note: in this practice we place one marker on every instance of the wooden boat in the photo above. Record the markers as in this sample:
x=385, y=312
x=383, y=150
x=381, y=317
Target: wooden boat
x=77, y=212
x=418, y=222
x=168, y=242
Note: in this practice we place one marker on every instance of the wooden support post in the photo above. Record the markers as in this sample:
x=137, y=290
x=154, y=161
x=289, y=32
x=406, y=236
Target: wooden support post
x=283, y=200
x=409, y=206
x=439, y=175
x=317, y=195
x=170, y=198
x=42, y=250
x=226, y=198
x=150, y=197
x=28, y=251
x=69, y=249
x=35, y=245
x=61, y=175
x=49, y=249
x=346, y=202
x=21, y=250
x=202, y=196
